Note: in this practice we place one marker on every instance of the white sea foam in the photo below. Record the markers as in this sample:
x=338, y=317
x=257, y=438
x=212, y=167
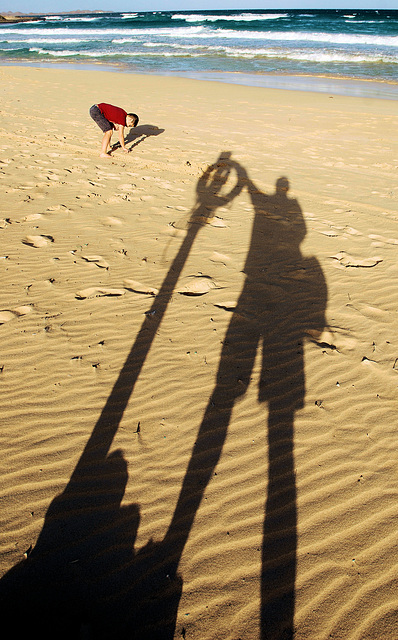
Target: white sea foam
x=80, y=19
x=46, y=41
x=365, y=21
x=276, y=52
x=197, y=51
x=65, y=53
x=206, y=32
x=184, y=47
x=318, y=56
x=300, y=36
x=104, y=54
x=242, y=17
x=72, y=18
x=300, y=54
x=173, y=33
x=125, y=40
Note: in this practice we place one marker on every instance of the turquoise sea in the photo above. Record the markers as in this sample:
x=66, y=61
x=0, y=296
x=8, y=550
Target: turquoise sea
x=266, y=48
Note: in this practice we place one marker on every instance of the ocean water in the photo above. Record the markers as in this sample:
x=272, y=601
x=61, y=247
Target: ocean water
x=250, y=47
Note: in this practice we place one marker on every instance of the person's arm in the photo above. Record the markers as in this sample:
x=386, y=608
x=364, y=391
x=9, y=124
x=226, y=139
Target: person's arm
x=120, y=133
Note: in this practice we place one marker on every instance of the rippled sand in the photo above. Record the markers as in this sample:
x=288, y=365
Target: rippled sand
x=199, y=360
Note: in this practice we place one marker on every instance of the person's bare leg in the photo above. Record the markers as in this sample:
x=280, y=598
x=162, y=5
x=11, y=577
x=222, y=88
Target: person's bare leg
x=105, y=142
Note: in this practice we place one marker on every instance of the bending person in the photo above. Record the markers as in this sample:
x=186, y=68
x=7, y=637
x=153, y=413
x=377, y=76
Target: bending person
x=110, y=118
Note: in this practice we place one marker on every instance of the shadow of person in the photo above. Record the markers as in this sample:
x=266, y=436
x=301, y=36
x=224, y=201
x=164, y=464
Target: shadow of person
x=83, y=578
x=284, y=296
x=139, y=134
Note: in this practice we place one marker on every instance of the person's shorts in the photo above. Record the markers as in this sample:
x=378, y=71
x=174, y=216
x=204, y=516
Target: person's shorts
x=100, y=119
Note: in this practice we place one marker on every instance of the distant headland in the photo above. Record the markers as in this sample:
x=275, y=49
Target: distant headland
x=11, y=18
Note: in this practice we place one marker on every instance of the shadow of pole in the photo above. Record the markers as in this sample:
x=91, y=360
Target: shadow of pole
x=82, y=579
x=208, y=200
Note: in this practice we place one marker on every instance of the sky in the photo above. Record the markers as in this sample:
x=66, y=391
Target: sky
x=54, y=6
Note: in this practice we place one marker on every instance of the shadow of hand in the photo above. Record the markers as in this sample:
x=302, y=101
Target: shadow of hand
x=213, y=189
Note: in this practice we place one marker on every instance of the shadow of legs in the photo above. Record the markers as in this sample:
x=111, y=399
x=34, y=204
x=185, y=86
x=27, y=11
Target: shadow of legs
x=278, y=571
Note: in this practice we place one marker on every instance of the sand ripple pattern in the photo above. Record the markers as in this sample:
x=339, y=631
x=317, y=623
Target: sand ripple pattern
x=118, y=306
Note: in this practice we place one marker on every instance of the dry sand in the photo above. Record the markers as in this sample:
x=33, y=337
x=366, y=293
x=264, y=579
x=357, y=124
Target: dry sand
x=137, y=311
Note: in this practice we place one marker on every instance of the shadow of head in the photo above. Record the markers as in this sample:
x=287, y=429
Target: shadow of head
x=282, y=186
x=143, y=131
x=138, y=134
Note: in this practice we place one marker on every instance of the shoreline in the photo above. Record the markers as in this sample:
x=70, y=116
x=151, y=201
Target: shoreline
x=344, y=86
x=352, y=87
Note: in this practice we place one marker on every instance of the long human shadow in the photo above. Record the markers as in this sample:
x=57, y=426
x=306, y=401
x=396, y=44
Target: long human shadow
x=83, y=578
x=284, y=296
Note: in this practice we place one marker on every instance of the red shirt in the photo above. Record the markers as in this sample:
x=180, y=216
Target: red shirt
x=113, y=114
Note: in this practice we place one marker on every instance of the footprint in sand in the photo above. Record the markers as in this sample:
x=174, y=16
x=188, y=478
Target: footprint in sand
x=59, y=207
x=346, y=260
x=7, y=315
x=137, y=287
x=216, y=222
x=38, y=241
x=220, y=258
x=380, y=240
x=329, y=234
x=371, y=312
x=53, y=177
x=336, y=339
x=198, y=286
x=351, y=231
x=32, y=217
x=96, y=292
x=111, y=221
x=229, y=305
x=112, y=200
x=98, y=260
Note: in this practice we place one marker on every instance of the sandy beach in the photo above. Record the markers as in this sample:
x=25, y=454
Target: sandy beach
x=199, y=361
